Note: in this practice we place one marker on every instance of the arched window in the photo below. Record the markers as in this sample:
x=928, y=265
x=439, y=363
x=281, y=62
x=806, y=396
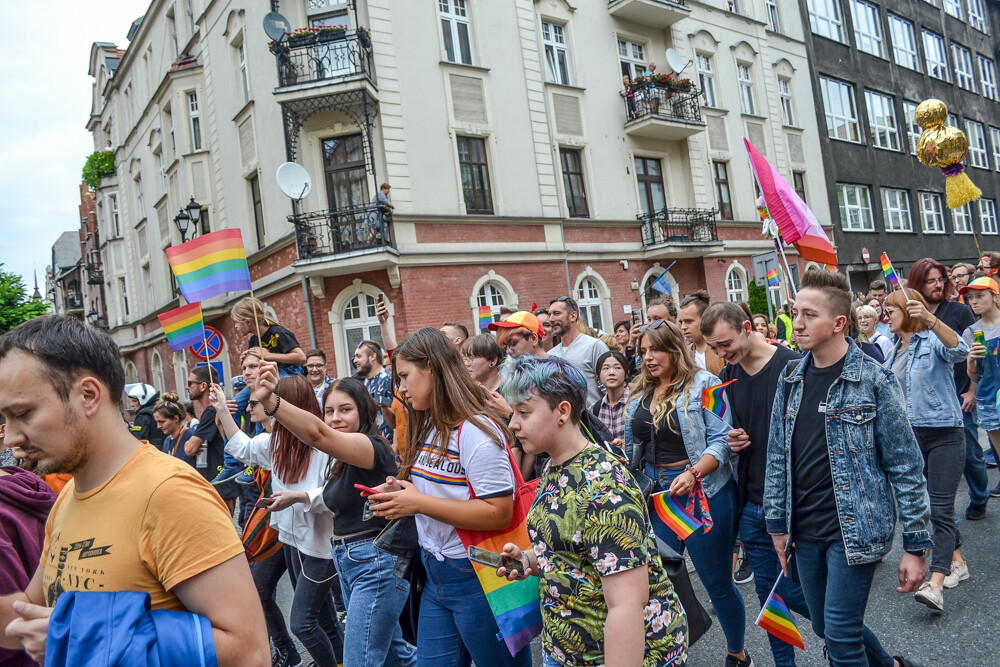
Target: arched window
x=157, y=365
x=131, y=373
x=491, y=294
x=361, y=322
x=736, y=284
x=180, y=373
x=589, y=300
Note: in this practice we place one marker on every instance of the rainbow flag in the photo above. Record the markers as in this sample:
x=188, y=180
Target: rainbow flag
x=772, y=278
x=776, y=618
x=890, y=273
x=210, y=265
x=672, y=514
x=713, y=399
x=183, y=326
x=485, y=316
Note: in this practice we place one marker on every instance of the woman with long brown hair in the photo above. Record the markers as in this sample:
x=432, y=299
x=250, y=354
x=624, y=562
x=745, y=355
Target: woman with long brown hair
x=170, y=418
x=456, y=446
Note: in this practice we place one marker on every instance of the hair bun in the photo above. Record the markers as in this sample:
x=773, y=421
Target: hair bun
x=171, y=398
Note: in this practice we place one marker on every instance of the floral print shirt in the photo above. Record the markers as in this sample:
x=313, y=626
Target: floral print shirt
x=589, y=520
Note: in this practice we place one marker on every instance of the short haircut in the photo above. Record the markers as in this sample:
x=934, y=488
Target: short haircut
x=898, y=301
x=385, y=186
x=373, y=349
x=206, y=374
x=315, y=352
x=540, y=311
x=507, y=311
x=665, y=300
x=834, y=286
x=570, y=302
x=552, y=379
x=866, y=310
x=965, y=265
x=461, y=329
x=623, y=323
x=722, y=311
x=66, y=348
x=877, y=284
x=699, y=300
x=920, y=272
x=484, y=346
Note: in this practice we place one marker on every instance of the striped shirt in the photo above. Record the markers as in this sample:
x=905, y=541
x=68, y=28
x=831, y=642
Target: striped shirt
x=613, y=415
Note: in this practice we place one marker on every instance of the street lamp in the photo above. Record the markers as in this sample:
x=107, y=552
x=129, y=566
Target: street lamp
x=194, y=212
x=182, y=220
x=92, y=316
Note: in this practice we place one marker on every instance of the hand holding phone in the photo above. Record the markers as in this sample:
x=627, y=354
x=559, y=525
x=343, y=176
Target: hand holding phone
x=263, y=503
x=495, y=560
x=365, y=490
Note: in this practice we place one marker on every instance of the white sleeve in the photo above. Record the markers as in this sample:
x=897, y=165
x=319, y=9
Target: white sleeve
x=487, y=466
x=250, y=451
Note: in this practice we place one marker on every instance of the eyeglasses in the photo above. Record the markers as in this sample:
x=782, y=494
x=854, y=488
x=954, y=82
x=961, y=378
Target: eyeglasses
x=936, y=281
x=251, y=404
x=191, y=382
x=315, y=366
x=652, y=325
x=513, y=341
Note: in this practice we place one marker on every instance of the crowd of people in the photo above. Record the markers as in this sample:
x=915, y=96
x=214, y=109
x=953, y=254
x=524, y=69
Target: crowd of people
x=848, y=413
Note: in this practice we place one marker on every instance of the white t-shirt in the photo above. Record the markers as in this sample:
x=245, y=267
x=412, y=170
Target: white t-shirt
x=584, y=351
x=476, y=460
x=699, y=358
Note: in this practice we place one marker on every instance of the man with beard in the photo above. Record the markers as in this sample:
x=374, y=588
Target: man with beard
x=132, y=518
x=378, y=382
x=930, y=278
x=579, y=348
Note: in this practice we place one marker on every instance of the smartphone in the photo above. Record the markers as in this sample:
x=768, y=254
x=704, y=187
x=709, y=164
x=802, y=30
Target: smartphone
x=381, y=297
x=979, y=337
x=263, y=503
x=365, y=490
x=615, y=450
x=495, y=560
x=635, y=316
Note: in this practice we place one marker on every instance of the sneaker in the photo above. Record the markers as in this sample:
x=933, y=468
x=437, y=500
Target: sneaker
x=743, y=574
x=959, y=572
x=733, y=661
x=991, y=459
x=245, y=477
x=290, y=659
x=975, y=512
x=995, y=491
x=930, y=595
x=227, y=474
x=906, y=662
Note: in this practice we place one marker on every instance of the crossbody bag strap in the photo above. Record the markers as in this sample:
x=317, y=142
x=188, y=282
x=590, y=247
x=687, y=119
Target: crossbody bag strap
x=180, y=439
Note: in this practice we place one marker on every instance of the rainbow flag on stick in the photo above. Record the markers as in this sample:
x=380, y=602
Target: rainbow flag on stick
x=183, y=326
x=210, y=265
x=890, y=273
x=776, y=618
x=485, y=316
x=672, y=514
x=713, y=399
x=772, y=278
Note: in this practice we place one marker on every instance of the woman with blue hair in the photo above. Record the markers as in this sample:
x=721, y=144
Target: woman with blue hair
x=605, y=595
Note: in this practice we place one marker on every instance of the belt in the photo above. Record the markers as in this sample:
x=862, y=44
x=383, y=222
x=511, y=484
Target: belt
x=351, y=539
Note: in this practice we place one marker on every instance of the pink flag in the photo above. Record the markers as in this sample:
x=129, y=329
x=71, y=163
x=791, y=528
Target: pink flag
x=796, y=222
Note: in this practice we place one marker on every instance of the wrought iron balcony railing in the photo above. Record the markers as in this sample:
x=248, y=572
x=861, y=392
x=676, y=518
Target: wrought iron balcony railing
x=679, y=225
x=662, y=103
x=95, y=274
x=343, y=231
x=324, y=58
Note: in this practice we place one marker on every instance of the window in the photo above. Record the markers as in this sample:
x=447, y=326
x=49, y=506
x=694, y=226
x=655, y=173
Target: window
x=576, y=191
x=589, y=300
x=953, y=7
x=785, y=95
x=913, y=131
x=977, y=15
x=932, y=213
x=491, y=295
x=962, y=216
x=162, y=168
x=799, y=184
x=241, y=64
x=195, y=118
x=988, y=77
x=867, y=28
x=896, y=210
x=116, y=228
x=706, y=80
x=841, y=110
x=140, y=202
x=935, y=56
x=736, y=284
x=649, y=175
x=977, y=144
x=475, y=175
x=556, y=60
x=722, y=194
x=123, y=293
x=904, y=42
x=855, y=208
x=745, y=78
x=172, y=29
x=882, y=120
x=258, y=210
x=190, y=15
x=361, y=322
x=965, y=76
x=988, y=215
x=455, y=25
x=995, y=140
x=169, y=122
x=825, y=20
x=632, y=57
x=772, y=15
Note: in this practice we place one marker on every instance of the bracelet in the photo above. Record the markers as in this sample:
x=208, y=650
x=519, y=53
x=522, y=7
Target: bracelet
x=694, y=471
x=276, y=404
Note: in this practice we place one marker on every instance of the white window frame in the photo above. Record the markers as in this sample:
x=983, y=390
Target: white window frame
x=194, y=120
x=988, y=215
x=123, y=299
x=935, y=55
x=828, y=87
x=748, y=101
x=965, y=73
x=931, y=213
x=162, y=168
x=913, y=131
x=140, y=200
x=773, y=18
x=633, y=55
x=785, y=97
x=367, y=321
x=988, y=77
x=590, y=299
x=116, y=221
x=977, y=15
x=455, y=18
x=855, y=216
x=884, y=128
x=953, y=8
x=995, y=140
x=904, y=43
x=492, y=294
x=557, y=68
x=241, y=64
x=896, y=213
x=825, y=19
x=978, y=154
x=867, y=28
x=961, y=218
x=706, y=78
x=736, y=290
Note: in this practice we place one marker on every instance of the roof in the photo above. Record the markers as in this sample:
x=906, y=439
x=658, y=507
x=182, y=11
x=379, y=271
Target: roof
x=66, y=252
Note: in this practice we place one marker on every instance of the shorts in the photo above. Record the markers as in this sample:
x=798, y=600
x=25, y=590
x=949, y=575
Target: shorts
x=989, y=420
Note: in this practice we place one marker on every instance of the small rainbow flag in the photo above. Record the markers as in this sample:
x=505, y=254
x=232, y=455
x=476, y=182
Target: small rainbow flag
x=183, y=326
x=210, y=265
x=714, y=400
x=672, y=514
x=485, y=316
x=772, y=278
x=778, y=620
x=890, y=273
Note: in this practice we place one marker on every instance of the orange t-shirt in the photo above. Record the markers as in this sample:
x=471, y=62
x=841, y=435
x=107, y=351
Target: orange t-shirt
x=402, y=422
x=153, y=525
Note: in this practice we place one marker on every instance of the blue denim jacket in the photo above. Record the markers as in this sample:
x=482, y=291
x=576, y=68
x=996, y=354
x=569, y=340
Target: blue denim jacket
x=931, y=371
x=874, y=457
x=703, y=433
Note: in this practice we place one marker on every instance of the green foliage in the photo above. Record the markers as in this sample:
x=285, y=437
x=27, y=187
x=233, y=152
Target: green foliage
x=15, y=306
x=757, y=298
x=98, y=165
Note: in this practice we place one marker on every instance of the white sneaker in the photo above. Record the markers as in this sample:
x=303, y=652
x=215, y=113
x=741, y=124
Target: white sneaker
x=959, y=572
x=930, y=595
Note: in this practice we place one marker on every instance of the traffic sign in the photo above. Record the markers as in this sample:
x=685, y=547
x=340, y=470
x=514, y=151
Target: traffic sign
x=214, y=340
x=217, y=365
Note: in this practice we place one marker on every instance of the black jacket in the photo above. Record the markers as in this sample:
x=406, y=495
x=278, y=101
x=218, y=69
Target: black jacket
x=144, y=427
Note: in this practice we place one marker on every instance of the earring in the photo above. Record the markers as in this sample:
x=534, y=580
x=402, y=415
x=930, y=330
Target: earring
x=562, y=422
x=492, y=364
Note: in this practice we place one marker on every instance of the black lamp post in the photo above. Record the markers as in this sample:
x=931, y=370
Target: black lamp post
x=182, y=220
x=194, y=210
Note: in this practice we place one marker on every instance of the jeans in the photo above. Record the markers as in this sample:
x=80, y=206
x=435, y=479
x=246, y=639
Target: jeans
x=975, y=463
x=837, y=594
x=375, y=598
x=943, y=464
x=456, y=623
x=313, y=618
x=266, y=574
x=711, y=553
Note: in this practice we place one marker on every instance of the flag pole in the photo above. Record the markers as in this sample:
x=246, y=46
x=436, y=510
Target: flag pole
x=788, y=273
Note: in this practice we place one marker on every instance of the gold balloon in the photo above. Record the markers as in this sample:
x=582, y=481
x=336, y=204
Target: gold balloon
x=942, y=145
x=931, y=113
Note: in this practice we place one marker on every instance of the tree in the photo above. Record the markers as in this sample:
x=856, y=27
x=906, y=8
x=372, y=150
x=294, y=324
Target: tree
x=15, y=306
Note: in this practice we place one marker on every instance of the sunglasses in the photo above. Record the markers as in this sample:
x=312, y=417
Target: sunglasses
x=251, y=404
x=652, y=325
x=191, y=382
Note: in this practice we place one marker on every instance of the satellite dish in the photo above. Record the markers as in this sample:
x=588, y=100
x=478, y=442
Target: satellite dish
x=294, y=181
x=276, y=26
x=675, y=61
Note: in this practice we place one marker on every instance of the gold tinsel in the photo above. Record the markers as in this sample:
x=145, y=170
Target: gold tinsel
x=944, y=147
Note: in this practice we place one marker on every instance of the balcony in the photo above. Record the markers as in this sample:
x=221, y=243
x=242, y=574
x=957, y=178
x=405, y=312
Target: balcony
x=74, y=303
x=95, y=274
x=356, y=237
x=658, y=14
x=679, y=227
x=661, y=113
x=318, y=61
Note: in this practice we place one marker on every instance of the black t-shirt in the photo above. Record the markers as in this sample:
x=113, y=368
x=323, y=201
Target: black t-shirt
x=814, y=507
x=959, y=317
x=751, y=399
x=347, y=503
x=216, y=444
x=279, y=340
x=667, y=442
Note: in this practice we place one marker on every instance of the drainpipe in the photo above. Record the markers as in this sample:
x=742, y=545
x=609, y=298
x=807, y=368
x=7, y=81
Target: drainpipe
x=307, y=297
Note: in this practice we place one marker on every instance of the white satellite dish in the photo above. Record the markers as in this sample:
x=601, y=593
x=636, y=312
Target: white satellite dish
x=294, y=181
x=675, y=61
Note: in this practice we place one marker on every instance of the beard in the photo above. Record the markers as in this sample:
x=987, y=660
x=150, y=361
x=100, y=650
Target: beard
x=934, y=295
x=71, y=461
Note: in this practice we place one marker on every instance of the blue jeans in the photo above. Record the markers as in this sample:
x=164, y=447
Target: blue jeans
x=313, y=618
x=975, y=463
x=711, y=553
x=837, y=594
x=456, y=623
x=374, y=597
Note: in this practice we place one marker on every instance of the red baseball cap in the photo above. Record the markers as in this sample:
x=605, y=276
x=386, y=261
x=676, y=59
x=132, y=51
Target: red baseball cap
x=521, y=318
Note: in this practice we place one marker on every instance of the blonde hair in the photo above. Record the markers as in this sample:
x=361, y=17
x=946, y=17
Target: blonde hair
x=246, y=307
x=666, y=337
x=611, y=342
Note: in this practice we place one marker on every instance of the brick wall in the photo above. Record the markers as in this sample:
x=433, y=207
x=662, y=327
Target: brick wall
x=459, y=233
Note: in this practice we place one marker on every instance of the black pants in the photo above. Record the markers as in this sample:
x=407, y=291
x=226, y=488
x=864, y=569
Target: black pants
x=944, y=462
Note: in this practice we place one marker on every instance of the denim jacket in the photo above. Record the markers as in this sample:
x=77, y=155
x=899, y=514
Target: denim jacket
x=702, y=433
x=874, y=458
x=932, y=401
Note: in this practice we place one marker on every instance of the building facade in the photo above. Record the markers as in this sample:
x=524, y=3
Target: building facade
x=872, y=63
x=526, y=158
